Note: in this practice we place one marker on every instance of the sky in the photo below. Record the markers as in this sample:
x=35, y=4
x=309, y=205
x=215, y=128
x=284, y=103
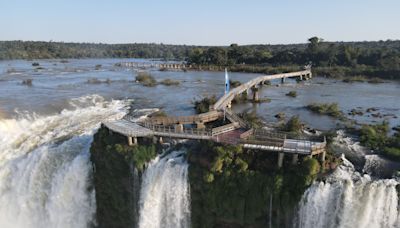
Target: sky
x=201, y=22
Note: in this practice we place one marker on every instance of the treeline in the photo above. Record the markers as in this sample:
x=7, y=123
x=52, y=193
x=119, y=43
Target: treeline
x=375, y=59
x=61, y=50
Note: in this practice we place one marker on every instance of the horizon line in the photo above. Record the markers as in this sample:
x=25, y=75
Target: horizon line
x=198, y=45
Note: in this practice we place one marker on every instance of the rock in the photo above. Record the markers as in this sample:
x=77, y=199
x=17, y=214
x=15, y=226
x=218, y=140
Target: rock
x=376, y=115
x=371, y=109
x=354, y=112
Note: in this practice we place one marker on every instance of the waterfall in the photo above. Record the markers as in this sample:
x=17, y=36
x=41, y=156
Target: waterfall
x=165, y=195
x=349, y=199
x=45, y=170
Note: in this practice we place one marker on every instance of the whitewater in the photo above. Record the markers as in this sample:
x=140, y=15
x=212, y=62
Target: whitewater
x=45, y=171
x=165, y=194
x=348, y=198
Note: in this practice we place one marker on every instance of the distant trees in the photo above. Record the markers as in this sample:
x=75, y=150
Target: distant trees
x=379, y=59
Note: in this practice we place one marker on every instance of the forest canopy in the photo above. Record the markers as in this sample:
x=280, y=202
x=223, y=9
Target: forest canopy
x=372, y=58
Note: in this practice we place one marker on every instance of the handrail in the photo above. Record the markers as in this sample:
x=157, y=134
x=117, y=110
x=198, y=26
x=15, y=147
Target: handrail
x=224, y=128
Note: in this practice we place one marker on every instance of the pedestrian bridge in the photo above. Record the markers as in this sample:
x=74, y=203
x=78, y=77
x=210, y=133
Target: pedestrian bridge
x=237, y=132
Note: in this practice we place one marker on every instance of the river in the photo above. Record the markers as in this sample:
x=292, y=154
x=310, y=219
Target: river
x=46, y=130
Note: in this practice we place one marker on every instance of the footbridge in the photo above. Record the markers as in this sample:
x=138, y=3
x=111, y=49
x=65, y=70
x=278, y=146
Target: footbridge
x=237, y=132
x=226, y=100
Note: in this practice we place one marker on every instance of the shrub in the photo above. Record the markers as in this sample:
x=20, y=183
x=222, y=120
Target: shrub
x=374, y=136
x=293, y=125
x=330, y=109
x=376, y=80
x=203, y=105
x=292, y=94
x=392, y=152
x=146, y=79
x=252, y=119
x=234, y=84
x=169, y=82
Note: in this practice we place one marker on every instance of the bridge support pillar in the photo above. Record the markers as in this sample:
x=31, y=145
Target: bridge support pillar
x=283, y=80
x=200, y=125
x=323, y=155
x=256, y=94
x=281, y=155
x=295, y=159
x=301, y=77
x=161, y=140
x=179, y=128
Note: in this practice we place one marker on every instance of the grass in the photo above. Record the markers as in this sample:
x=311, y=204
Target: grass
x=170, y=82
x=357, y=78
x=292, y=94
x=330, y=109
x=376, y=80
x=146, y=79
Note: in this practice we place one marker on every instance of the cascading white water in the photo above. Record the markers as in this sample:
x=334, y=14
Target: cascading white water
x=45, y=169
x=349, y=199
x=165, y=196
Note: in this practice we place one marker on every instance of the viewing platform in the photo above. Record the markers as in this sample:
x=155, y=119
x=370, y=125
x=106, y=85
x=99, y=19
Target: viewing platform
x=237, y=132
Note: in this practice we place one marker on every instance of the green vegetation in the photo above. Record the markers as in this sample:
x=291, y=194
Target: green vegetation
x=357, y=78
x=234, y=84
x=203, y=105
x=240, y=98
x=114, y=178
x=292, y=94
x=170, y=82
x=376, y=80
x=376, y=138
x=146, y=79
x=252, y=119
x=158, y=114
x=293, y=125
x=232, y=187
x=330, y=109
x=333, y=59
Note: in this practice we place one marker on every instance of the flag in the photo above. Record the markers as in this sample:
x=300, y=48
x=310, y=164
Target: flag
x=226, y=81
